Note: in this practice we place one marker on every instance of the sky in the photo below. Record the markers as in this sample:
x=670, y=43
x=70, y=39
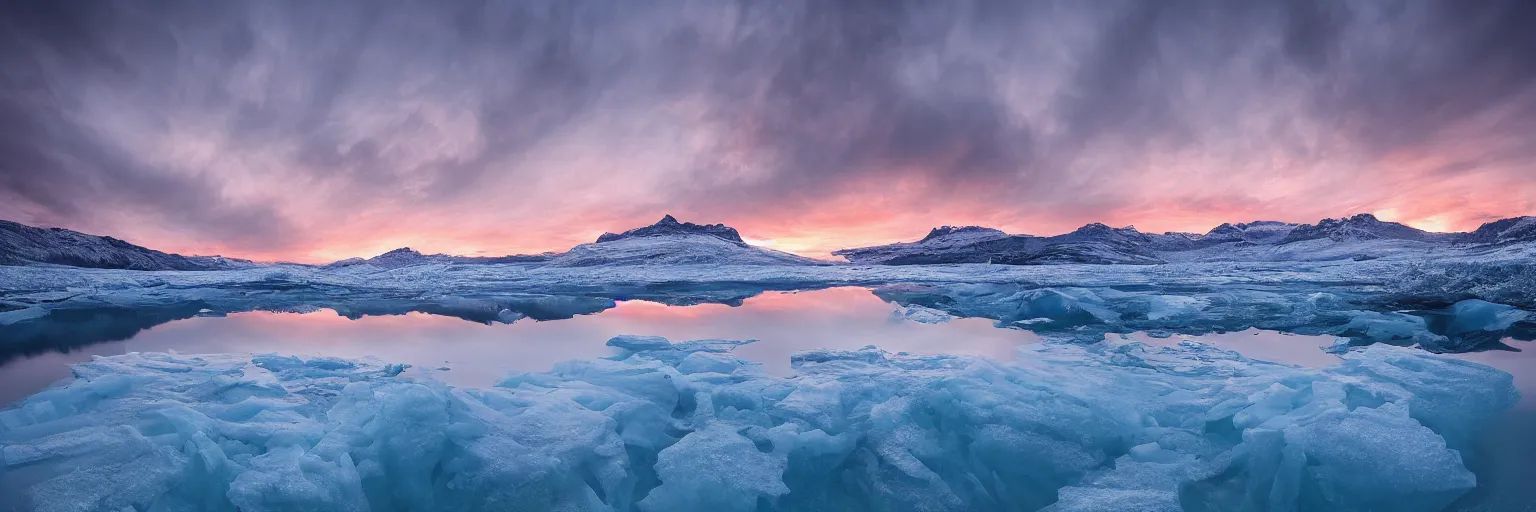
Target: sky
x=314, y=131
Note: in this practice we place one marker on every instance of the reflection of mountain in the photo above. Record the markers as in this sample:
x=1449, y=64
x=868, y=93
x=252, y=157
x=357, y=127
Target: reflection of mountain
x=503, y=310
x=62, y=330
x=65, y=329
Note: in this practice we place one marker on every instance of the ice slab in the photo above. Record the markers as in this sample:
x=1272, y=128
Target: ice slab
x=686, y=426
x=1087, y=313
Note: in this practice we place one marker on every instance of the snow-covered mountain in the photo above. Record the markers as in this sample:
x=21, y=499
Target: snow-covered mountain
x=26, y=245
x=1093, y=243
x=408, y=257
x=669, y=226
x=940, y=242
x=1357, y=237
x=1503, y=231
x=1359, y=227
x=1241, y=234
x=669, y=242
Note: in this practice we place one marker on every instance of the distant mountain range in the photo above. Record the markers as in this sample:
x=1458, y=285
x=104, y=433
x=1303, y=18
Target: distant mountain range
x=26, y=245
x=670, y=242
x=408, y=257
x=1359, y=237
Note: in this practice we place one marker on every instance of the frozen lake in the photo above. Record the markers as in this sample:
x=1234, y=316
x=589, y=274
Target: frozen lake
x=469, y=354
x=479, y=355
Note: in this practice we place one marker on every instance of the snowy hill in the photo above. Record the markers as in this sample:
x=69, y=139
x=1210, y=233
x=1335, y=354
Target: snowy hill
x=26, y=245
x=669, y=242
x=1241, y=234
x=408, y=257
x=1094, y=243
x=940, y=242
x=1357, y=237
x=1504, y=231
x=1359, y=227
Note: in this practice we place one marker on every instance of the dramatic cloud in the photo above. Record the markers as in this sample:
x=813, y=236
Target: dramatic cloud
x=321, y=130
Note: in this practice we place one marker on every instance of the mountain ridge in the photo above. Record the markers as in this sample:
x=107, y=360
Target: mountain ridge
x=1360, y=236
x=669, y=241
x=21, y=244
x=669, y=225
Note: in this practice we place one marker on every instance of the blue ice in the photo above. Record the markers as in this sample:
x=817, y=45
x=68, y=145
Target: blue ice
x=688, y=426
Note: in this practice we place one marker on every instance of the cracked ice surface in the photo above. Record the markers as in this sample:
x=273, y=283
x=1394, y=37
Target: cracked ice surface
x=688, y=426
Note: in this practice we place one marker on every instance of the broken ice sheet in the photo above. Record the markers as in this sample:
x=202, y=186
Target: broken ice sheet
x=688, y=426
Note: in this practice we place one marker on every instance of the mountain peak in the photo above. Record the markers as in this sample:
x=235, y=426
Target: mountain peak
x=669, y=225
x=402, y=257
x=1259, y=231
x=1363, y=226
x=1102, y=229
x=1364, y=217
x=1359, y=219
x=951, y=230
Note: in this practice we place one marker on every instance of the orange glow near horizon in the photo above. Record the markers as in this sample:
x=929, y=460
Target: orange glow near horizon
x=901, y=206
x=815, y=236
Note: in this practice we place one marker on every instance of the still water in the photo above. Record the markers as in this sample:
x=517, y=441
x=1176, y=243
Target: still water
x=470, y=354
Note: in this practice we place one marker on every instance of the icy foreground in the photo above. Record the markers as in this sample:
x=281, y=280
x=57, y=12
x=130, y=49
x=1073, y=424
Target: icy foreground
x=688, y=426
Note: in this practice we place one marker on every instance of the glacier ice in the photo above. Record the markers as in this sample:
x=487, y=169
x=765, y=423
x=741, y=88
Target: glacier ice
x=665, y=426
x=921, y=314
x=1397, y=302
x=1086, y=314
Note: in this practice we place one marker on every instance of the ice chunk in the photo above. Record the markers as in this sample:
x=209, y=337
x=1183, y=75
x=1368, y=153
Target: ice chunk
x=701, y=362
x=1479, y=315
x=686, y=426
x=921, y=314
x=716, y=468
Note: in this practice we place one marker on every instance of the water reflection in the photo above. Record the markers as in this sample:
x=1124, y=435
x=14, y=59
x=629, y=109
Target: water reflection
x=1303, y=350
x=1297, y=349
x=479, y=355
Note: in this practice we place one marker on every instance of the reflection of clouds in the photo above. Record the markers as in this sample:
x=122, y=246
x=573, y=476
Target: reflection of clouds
x=784, y=323
x=1300, y=350
x=1521, y=364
